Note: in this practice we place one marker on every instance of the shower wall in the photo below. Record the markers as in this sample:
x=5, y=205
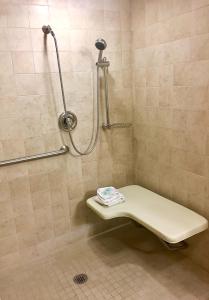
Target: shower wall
x=171, y=104
x=42, y=203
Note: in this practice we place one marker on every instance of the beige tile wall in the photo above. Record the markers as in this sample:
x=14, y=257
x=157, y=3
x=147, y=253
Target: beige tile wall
x=171, y=104
x=42, y=203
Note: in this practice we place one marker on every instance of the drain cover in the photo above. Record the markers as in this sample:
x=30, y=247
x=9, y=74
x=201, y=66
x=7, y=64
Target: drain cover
x=80, y=278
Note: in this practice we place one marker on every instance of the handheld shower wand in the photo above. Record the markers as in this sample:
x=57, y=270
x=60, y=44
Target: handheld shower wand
x=47, y=29
x=100, y=45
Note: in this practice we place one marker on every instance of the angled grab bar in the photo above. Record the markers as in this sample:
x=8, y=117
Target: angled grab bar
x=63, y=150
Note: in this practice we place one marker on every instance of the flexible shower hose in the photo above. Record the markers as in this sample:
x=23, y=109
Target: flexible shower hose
x=94, y=137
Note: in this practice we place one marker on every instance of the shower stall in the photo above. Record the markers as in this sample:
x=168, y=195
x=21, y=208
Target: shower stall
x=95, y=94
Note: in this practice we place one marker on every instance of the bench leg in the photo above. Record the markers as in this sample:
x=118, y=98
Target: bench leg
x=172, y=247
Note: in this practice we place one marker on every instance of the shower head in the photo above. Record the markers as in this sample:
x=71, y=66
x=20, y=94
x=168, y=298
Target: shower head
x=101, y=45
x=47, y=29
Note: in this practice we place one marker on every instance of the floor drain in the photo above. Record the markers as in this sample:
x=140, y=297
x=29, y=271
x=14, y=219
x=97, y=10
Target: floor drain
x=80, y=278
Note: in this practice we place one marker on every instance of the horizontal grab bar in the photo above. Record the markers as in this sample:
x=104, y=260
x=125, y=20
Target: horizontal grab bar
x=64, y=149
x=116, y=125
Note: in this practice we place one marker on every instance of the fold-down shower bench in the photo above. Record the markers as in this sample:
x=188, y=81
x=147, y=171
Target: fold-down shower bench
x=171, y=222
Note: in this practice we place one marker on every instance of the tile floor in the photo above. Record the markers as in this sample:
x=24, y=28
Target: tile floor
x=129, y=263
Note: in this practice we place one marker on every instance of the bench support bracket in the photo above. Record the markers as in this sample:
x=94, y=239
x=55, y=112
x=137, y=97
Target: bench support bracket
x=172, y=247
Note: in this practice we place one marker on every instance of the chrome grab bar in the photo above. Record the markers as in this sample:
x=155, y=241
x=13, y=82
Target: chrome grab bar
x=64, y=149
x=116, y=125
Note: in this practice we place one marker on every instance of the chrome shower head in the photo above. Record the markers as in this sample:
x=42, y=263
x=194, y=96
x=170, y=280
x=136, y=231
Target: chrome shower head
x=47, y=29
x=101, y=45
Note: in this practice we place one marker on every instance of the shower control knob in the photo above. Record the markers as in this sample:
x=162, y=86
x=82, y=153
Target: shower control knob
x=67, y=121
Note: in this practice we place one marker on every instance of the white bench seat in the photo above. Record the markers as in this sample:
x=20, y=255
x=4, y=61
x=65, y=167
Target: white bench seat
x=168, y=220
